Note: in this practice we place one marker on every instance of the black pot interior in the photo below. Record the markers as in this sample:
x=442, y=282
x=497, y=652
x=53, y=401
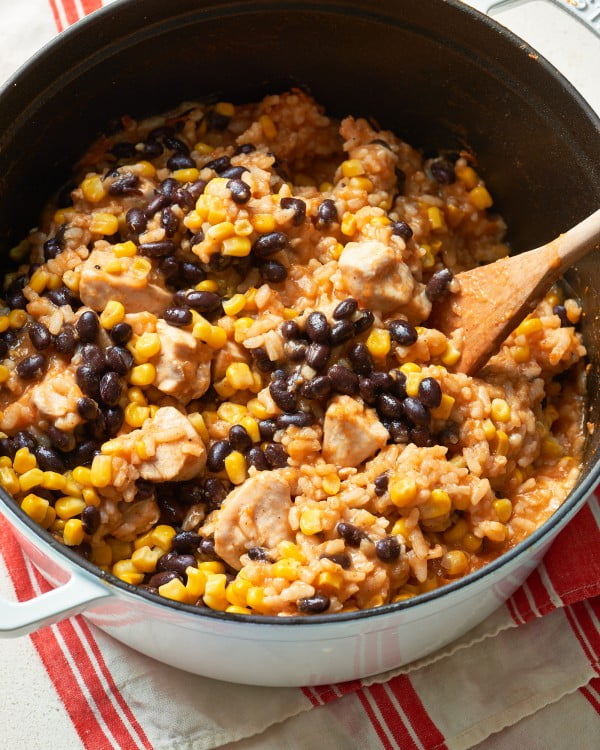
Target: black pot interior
x=435, y=72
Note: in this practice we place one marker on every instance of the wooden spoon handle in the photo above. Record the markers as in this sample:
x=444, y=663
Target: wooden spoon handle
x=574, y=244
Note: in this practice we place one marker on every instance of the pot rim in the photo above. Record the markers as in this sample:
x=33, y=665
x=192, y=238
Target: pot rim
x=574, y=500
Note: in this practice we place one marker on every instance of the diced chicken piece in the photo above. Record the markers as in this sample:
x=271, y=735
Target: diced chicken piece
x=179, y=451
x=183, y=364
x=375, y=275
x=351, y=432
x=230, y=353
x=138, y=518
x=136, y=288
x=56, y=397
x=255, y=514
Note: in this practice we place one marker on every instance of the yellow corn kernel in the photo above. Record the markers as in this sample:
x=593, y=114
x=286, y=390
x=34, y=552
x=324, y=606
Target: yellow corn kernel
x=9, y=480
x=101, y=471
x=251, y=427
x=214, y=592
x=263, y=222
x=489, y=429
x=234, y=609
x=352, y=168
x=174, y=590
x=63, y=215
x=90, y=496
x=529, y=326
x=236, y=592
x=400, y=529
x=239, y=376
x=101, y=554
x=224, y=388
x=236, y=247
x=201, y=329
x=361, y=183
x=4, y=373
x=330, y=579
x=82, y=475
x=231, y=412
x=68, y=507
x=142, y=374
x=413, y=379
x=456, y=533
x=4, y=323
x=125, y=570
x=444, y=410
x=255, y=598
x=162, y=536
x=136, y=415
x=455, y=562
x=403, y=491
x=196, y=582
x=199, y=425
x=348, y=225
x=269, y=128
x=325, y=187
x=114, y=266
x=37, y=283
x=145, y=558
x=211, y=566
x=208, y=285
x=204, y=148
x=551, y=448
x=286, y=568
x=502, y=443
x=73, y=533
x=235, y=466
x=408, y=367
x=5, y=461
x=337, y=250
x=480, y=197
x=258, y=409
x=241, y=327
x=290, y=550
x=93, y=189
x=451, y=355
x=124, y=249
x=436, y=218
x=193, y=221
x=186, y=175
x=221, y=231
x=500, y=410
x=224, y=108
x=234, y=305
x=379, y=343
x=311, y=521
x=439, y=505
x=331, y=484
x=49, y=518
x=113, y=313
x=24, y=461
x=35, y=507
x=471, y=542
x=467, y=175
x=428, y=258
x=31, y=478
x=104, y=223
x=58, y=525
x=148, y=345
x=503, y=508
x=145, y=169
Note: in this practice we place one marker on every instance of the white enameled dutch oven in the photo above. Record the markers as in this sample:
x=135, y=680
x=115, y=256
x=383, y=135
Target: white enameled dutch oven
x=438, y=73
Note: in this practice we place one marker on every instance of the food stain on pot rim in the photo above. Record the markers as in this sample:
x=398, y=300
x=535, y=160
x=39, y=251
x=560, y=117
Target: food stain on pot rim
x=219, y=384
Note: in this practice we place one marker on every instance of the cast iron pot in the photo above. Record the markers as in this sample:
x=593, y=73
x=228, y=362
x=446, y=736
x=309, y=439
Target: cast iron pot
x=437, y=73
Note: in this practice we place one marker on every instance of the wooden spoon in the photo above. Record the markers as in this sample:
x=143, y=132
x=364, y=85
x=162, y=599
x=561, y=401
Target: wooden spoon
x=494, y=299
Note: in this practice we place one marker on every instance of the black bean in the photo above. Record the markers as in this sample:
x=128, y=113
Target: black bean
x=64, y=441
x=87, y=326
x=245, y=148
x=93, y=356
x=49, y=460
x=151, y=149
x=381, y=484
x=157, y=203
x=290, y=330
x=83, y=454
x=196, y=240
x=87, y=380
x=60, y=296
x=110, y=388
x=240, y=191
x=367, y=390
x=157, y=249
x=402, y=229
x=415, y=411
x=342, y=559
x=10, y=338
x=159, y=579
x=178, y=563
x=327, y=213
x=186, y=541
x=400, y=179
x=295, y=419
x=403, y=332
x=430, y=393
x=119, y=359
x=345, y=309
x=269, y=243
x=341, y=331
x=191, y=272
x=239, y=438
x=258, y=554
x=442, y=171
x=168, y=221
x=383, y=381
x=267, y=428
x=215, y=492
x=276, y=455
x=191, y=494
x=217, y=454
x=317, y=356
x=399, y=431
x=343, y=379
x=421, y=437
x=183, y=197
x=3, y=348
x=285, y=399
x=87, y=408
x=40, y=336
x=175, y=144
x=90, y=519
x=313, y=605
x=178, y=316
x=351, y=534
x=317, y=328
x=274, y=271
x=121, y=333
x=387, y=549
x=168, y=187
x=364, y=321
x=389, y=406
x=203, y=301
x=25, y=440
x=360, y=358
x=233, y=173
x=169, y=267
x=299, y=207
x=180, y=161
x=123, y=150
x=218, y=165
x=397, y=384
x=295, y=351
x=52, y=248
x=32, y=367
x=256, y=458
x=260, y=356
x=125, y=184
x=437, y=286
x=7, y=447
x=136, y=220
x=319, y=387
x=561, y=311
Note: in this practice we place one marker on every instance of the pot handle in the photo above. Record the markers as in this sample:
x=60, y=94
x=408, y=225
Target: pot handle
x=586, y=11
x=21, y=618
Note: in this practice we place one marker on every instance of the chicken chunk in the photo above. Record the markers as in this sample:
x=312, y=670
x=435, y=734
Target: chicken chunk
x=375, y=275
x=134, y=287
x=255, y=514
x=183, y=364
x=351, y=432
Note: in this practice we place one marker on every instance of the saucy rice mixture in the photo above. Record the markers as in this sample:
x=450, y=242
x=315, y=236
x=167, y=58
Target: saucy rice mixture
x=218, y=382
